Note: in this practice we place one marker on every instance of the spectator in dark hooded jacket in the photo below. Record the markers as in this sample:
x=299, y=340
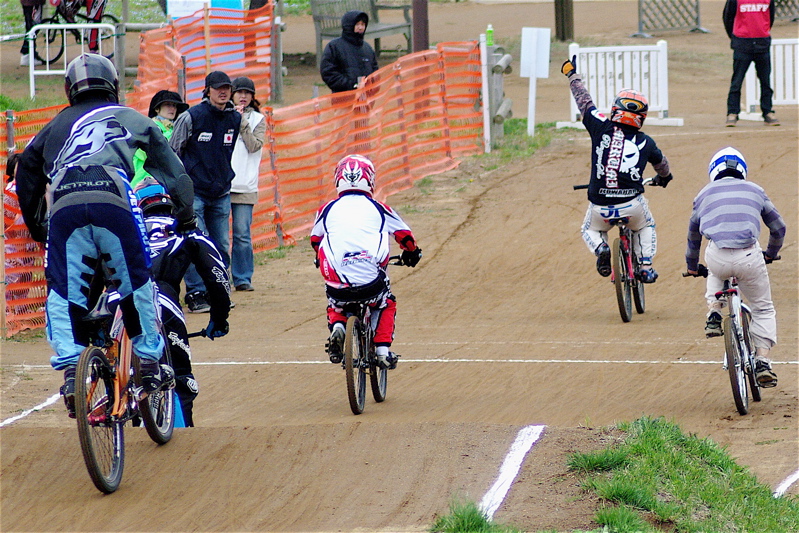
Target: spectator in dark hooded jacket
x=348, y=57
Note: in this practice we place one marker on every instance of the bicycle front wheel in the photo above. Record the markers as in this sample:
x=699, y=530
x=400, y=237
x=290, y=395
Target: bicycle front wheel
x=735, y=366
x=354, y=361
x=49, y=43
x=102, y=439
x=379, y=380
x=621, y=279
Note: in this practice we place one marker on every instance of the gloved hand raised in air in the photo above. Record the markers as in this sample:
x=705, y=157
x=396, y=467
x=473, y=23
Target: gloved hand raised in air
x=661, y=181
x=569, y=67
x=411, y=259
x=215, y=330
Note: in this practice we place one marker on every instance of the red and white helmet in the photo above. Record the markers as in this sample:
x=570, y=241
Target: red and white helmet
x=355, y=173
x=630, y=107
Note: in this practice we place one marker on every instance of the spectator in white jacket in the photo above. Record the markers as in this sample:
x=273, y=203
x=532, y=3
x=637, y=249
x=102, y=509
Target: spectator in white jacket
x=246, y=162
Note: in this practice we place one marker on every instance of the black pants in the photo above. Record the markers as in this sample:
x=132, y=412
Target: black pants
x=33, y=16
x=186, y=386
x=740, y=64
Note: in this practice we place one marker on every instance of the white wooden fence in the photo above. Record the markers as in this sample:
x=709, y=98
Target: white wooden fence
x=784, y=79
x=608, y=69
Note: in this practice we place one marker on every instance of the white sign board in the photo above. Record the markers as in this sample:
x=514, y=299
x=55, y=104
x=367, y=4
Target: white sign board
x=535, y=52
x=534, y=64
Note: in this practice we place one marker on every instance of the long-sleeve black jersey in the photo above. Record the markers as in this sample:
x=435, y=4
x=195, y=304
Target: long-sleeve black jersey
x=97, y=133
x=172, y=253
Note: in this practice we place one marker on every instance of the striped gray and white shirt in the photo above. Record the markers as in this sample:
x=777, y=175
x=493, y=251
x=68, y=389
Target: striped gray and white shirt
x=728, y=212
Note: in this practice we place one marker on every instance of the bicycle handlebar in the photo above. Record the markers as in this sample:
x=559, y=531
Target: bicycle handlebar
x=396, y=260
x=200, y=333
x=701, y=274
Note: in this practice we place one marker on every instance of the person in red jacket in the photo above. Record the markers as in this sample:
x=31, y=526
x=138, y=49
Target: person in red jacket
x=748, y=24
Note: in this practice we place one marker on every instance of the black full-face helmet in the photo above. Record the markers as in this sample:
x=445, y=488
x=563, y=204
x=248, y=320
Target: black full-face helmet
x=91, y=72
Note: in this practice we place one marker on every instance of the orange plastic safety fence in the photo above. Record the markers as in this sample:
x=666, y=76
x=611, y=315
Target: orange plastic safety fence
x=406, y=118
x=413, y=118
x=238, y=43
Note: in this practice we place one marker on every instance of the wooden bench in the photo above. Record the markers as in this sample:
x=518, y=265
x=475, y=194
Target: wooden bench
x=327, y=21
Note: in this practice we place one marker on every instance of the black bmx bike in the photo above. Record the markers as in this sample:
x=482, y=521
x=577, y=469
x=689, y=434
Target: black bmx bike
x=360, y=361
x=50, y=42
x=626, y=268
x=109, y=393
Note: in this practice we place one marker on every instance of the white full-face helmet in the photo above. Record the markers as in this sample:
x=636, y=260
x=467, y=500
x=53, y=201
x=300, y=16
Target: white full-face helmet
x=727, y=162
x=355, y=173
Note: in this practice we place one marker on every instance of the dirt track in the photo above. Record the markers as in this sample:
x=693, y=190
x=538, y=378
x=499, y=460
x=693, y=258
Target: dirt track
x=504, y=324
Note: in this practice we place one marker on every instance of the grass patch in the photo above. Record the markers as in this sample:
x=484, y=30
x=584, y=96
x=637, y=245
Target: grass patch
x=466, y=517
x=276, y=253
x=515, y=142
x=672, y=478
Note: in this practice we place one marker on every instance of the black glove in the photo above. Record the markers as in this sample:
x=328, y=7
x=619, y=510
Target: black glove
x=11, y=166
x=569, y=67
x=411, y=259
x=701, y=270
x=215, y=330
x=662, y=181
x=316, y=261
x=768, y=259
x=187, y=226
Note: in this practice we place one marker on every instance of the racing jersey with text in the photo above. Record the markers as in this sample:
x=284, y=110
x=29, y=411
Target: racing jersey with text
x=351, y=237
x=619, y=153
x=95, y=134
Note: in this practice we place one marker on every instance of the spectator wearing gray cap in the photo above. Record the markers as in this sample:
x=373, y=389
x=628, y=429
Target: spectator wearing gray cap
x=244, y=189
x=204, y=137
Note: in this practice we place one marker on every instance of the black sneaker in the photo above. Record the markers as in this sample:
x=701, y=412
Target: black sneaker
x=766, y=377
x=68, y=390
x=245, y=287
x=648, y=275
x=603, y=260
x=335, y=346
x=713, y=325
x=197, y=303
x=155, y=376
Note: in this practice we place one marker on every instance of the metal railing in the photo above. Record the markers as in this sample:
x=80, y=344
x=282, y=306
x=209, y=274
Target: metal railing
x=44, y=47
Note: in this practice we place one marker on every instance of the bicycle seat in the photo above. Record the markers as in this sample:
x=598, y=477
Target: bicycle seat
x=622, y=221
x=102, y=310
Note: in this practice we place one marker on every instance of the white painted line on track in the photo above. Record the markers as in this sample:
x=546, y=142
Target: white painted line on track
x=786, y=484
x=49, y=401
x=509, y=469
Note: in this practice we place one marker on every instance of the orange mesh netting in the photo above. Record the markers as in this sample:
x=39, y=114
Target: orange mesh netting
x=413, y=118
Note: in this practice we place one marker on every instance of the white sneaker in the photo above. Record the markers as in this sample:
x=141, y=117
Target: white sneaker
x=385, y=359
x=25, y=61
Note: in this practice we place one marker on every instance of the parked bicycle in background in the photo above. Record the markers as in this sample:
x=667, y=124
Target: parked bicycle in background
x=50, y=43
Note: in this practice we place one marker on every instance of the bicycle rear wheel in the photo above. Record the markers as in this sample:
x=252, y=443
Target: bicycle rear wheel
x=622, y=281
x=379, y=380
x=754, y=386
x=354, y=359
x=49, y=43
x=735, y=366
x=157, y=410
x=102, y=439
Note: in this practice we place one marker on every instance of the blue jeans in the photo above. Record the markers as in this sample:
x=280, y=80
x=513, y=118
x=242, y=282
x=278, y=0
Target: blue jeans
x=213, y=219
x=241, y=256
